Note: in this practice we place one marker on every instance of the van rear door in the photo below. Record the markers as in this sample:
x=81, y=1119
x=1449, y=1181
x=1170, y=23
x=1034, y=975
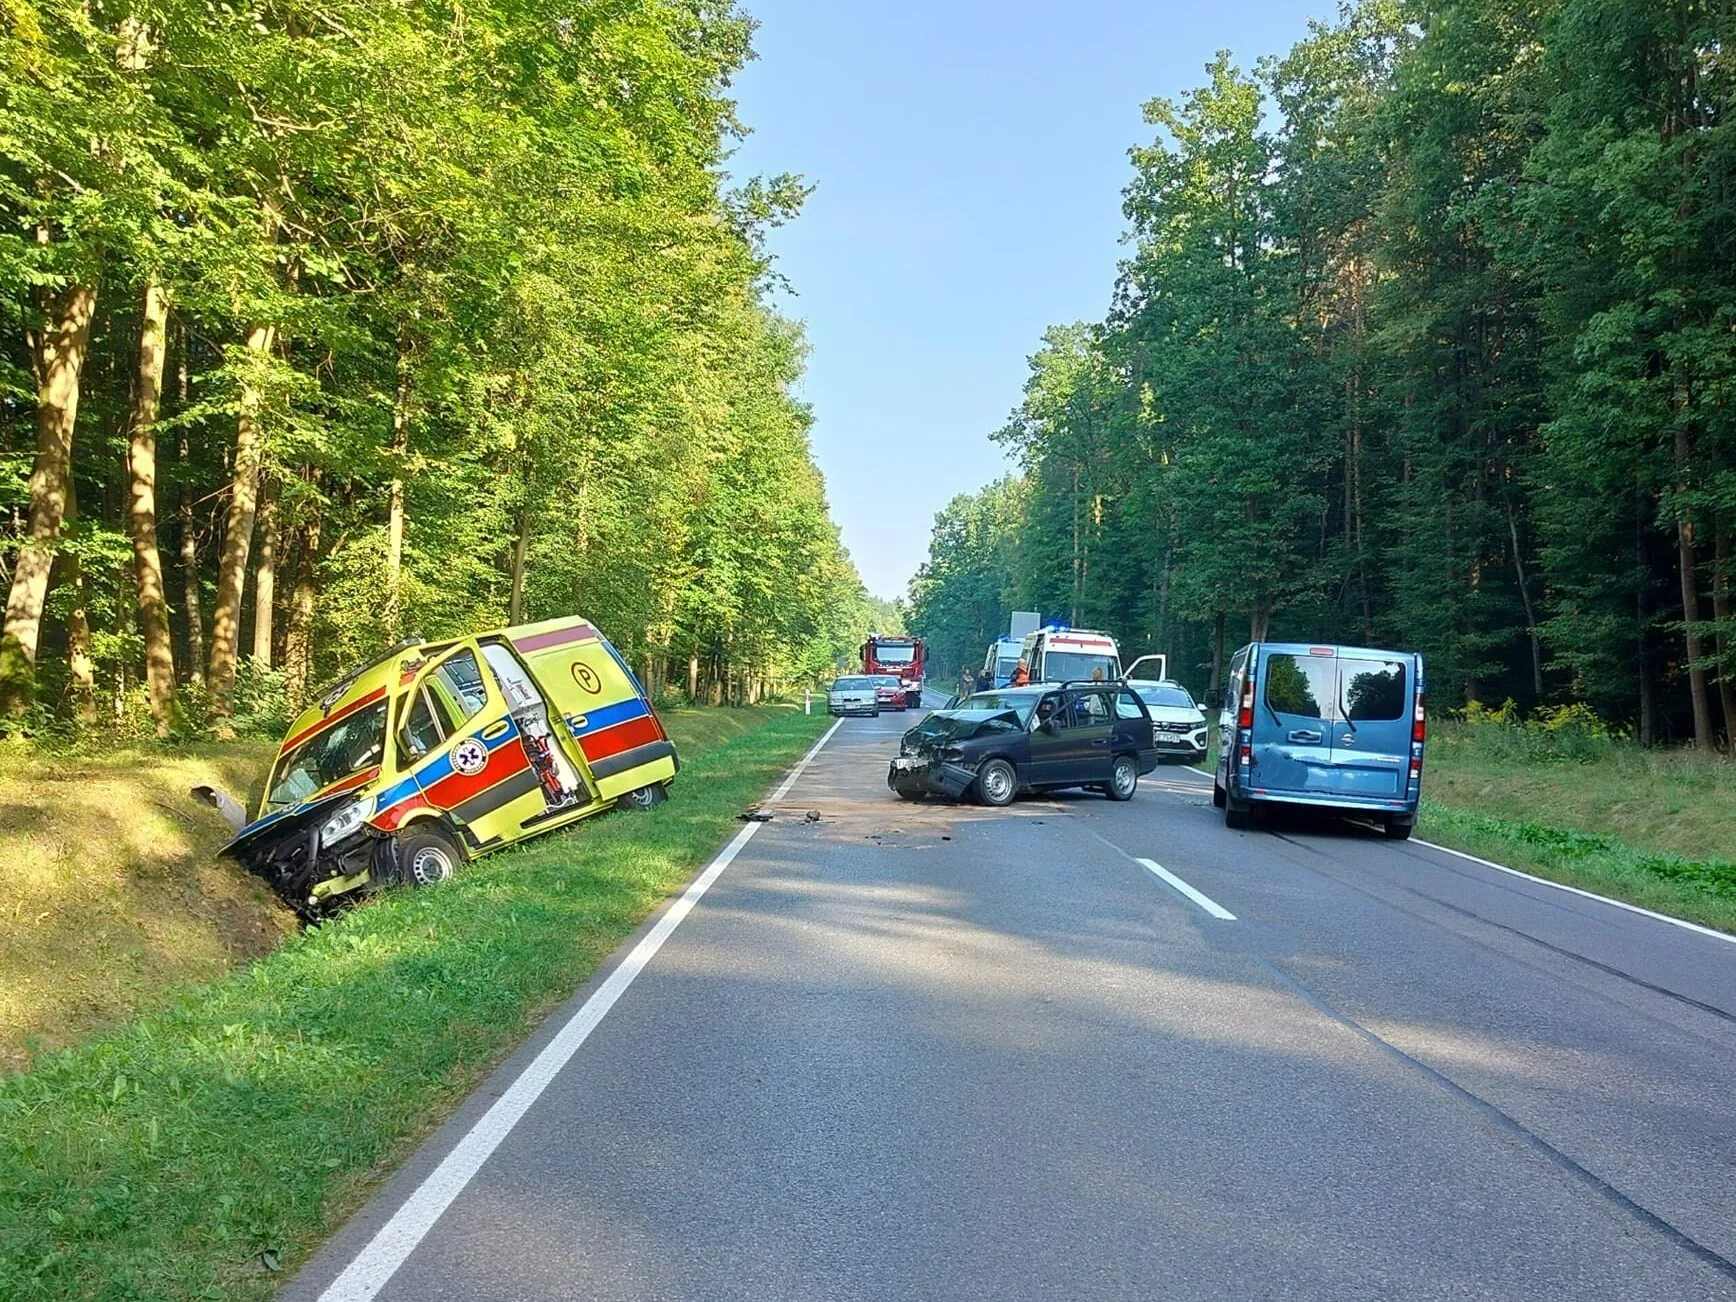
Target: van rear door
x=1292, y=733
x=1371, y=736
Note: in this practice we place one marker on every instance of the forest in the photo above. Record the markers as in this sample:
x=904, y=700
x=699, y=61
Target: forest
x=323, y=324
x=1425, y=336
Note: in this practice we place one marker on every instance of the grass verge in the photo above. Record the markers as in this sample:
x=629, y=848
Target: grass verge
x=202, y=1149
x=1656, y=828
x=1699, y=890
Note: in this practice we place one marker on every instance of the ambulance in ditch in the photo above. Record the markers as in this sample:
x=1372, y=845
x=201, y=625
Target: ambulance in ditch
x=435, y=753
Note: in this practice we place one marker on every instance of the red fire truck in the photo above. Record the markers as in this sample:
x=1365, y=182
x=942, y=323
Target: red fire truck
x=901, y=656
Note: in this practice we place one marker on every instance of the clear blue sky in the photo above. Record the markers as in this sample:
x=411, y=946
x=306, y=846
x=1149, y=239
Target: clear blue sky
x=969, y=157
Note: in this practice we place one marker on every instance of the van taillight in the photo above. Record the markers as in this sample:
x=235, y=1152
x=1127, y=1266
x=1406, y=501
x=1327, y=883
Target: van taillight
x=1418, y=726
x=1245, y=716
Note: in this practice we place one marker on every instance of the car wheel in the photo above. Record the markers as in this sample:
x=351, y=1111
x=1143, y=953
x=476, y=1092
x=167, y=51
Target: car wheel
x=996, y=783
x=1123, y=778
x=874, y=713
x=644, y=797
x=913, y=794
x=426, y=855
x=1396, y=830
x=1238, y=816
x=1218, y=796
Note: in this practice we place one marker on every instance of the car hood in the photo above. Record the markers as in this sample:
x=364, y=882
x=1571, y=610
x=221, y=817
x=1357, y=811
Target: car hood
x=945, y=727
x=1175, y=714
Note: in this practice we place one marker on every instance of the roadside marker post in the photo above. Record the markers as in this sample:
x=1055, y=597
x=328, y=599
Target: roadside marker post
x=807, y=701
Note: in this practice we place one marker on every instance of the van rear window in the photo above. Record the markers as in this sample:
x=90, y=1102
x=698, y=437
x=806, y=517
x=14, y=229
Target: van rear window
x=1301, y=685
x=1373, y=690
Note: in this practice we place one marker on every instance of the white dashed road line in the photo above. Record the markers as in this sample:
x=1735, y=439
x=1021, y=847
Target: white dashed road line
x=1200, y=898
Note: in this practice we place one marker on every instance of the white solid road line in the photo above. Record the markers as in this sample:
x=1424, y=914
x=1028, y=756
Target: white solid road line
x=1574, y=890
x=376, y=1263
x=1205, y=901
x=1558, y=886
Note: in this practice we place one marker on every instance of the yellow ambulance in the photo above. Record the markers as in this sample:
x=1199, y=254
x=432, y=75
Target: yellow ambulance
x=437, y=752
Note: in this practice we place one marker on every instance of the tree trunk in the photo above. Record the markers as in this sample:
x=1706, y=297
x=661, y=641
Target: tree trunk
x=693, y=678
x=1525, y=597
x=520, y=550
x=298, y=635
x=237, y=541
x=1721, y=613
x=189, y=551
x=81, y=671
x=57, y=355
x=1691, y=603
x=1217, y=683
x=265, y=574
x=142, y=510
x=395, y=497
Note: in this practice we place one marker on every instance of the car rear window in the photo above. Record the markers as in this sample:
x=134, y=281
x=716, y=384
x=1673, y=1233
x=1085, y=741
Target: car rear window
x=1301, y=685
x=1372, y=690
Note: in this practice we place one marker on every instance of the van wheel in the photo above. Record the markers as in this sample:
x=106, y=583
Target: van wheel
x=1238, y=816
x=1218, y=796
x=1397, y=831
x=426, y=855
x=996, y=783
x=1123, y=779
x=644, y=798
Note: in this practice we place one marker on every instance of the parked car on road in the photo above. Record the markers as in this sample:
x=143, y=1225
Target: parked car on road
x=889, y=692
x=1000, y=743
x=1177, y=722
x=436, y=752
x=1332, y=727
x=855, y=694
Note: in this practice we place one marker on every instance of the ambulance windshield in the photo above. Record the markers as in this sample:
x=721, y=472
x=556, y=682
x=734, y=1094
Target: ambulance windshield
x=345, y=747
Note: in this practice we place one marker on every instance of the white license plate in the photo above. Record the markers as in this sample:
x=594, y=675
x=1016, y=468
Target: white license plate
x=904, y=763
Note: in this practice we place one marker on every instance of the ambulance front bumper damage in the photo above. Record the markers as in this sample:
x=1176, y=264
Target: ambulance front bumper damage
x=316, y=854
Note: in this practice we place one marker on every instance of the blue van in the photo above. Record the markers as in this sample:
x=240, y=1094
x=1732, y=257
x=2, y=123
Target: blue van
x=1335, y=727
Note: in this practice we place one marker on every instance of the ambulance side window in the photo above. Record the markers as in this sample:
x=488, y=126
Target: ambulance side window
x=445, y=701
x=421, y=732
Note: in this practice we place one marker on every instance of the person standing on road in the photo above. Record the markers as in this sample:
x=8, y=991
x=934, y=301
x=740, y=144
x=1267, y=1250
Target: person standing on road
x=966, y=682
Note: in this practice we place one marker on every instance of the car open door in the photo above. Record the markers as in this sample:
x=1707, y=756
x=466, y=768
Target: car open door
x=600, y=704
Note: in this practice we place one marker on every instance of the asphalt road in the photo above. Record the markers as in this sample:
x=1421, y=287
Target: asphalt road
x=939, y=1052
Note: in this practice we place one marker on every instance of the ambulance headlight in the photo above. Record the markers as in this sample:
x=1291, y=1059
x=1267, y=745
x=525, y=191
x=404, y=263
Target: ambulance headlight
x=345, y=823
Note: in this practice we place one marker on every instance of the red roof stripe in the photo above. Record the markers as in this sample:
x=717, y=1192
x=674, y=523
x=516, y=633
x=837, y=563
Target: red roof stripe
x=556, y=637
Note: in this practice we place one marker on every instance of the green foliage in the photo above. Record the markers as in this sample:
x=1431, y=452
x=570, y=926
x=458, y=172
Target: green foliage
x=516, y=316
x=1425, y=339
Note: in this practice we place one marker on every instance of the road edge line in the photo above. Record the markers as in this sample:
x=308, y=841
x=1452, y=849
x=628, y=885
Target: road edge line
x=1580, y=891
x=390, y=1246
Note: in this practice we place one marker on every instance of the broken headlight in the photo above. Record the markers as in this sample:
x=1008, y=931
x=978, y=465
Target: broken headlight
x=345, y=823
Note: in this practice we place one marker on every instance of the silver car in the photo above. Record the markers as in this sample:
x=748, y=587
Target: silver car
x=853, y=696
x=1178, y=724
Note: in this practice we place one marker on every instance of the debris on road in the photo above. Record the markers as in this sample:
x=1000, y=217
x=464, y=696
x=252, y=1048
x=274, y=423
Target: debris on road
x=754, y=814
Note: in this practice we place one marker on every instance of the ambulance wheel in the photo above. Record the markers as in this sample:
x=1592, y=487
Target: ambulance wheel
x=645, y=797
x=426, y=855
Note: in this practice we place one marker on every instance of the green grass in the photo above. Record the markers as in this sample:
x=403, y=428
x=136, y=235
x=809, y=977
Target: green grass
x=1654, y=827
x=205, y=1147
